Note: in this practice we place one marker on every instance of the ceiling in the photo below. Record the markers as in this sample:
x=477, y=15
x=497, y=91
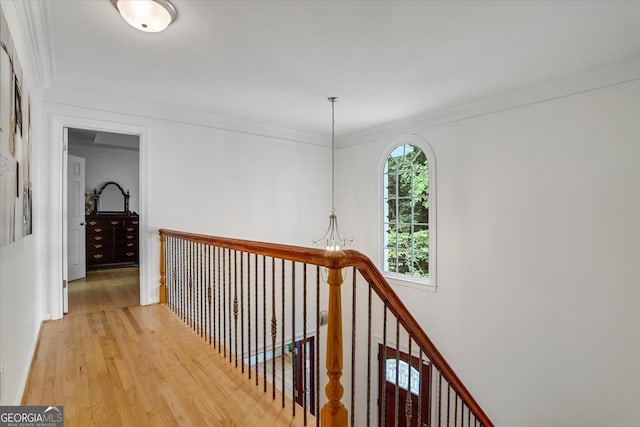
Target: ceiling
x=276, y=62
x=102, y=140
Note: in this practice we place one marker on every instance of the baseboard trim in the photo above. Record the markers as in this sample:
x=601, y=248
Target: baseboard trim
x=27, y=375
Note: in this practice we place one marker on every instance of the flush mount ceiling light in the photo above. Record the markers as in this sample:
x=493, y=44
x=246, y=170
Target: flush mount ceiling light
x=151, y=16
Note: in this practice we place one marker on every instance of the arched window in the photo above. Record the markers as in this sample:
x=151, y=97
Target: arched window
x=408, y=214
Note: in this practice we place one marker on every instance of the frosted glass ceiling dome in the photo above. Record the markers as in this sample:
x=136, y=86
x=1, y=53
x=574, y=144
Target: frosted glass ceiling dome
x=151, y=16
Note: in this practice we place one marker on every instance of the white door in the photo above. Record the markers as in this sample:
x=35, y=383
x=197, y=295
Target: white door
x=75, y=218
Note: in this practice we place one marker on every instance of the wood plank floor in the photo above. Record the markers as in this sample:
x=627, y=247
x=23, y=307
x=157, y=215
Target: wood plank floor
x=142, y=366
x=103, y=289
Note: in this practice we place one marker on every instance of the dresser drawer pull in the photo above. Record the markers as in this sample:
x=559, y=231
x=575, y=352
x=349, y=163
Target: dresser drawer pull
x=130, y=237
x=98, y=237
x=114, y=222
x=93, y=222
x=134, y=222
x=130, y=253
x=97, y=230
x=129, y=244
x=130, y=228
x=97, y=256
x=97, y=246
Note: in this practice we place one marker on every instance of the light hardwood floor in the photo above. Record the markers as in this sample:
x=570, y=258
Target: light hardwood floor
x=288, y=372
x=105, y=289
x=142, y=366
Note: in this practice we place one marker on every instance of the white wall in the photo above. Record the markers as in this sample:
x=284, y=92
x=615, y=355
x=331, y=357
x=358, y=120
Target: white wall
x=235, y=185
x=203, y=179
x=110, y=164
x=21, y=291
x=538, y=304
x=538, y=299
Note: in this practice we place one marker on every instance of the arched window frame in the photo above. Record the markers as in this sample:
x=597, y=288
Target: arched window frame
x=430, y=282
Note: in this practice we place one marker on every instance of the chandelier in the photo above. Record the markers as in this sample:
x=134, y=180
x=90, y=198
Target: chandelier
x=331, y=239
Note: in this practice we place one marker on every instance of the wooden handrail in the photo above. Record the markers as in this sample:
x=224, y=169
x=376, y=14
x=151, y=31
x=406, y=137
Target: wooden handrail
x=331, y=260
x=337, y=260
x=380, y=285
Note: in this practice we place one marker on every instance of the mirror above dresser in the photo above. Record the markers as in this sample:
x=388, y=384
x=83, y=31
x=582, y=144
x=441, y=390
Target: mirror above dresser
x=111, y=228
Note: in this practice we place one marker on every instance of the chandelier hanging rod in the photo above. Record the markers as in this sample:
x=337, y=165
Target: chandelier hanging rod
x=333, y=100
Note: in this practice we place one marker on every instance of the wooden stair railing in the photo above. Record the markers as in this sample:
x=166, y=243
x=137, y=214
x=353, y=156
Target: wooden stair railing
x=210, y=281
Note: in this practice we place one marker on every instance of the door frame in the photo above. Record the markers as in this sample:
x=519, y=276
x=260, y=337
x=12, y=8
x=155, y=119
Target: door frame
x=58, y=123
x=389, y=353
x=299, y=352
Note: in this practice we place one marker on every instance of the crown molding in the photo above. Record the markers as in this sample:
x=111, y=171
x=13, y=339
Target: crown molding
x=33, y=20
x=60, y=99
x=586, y=81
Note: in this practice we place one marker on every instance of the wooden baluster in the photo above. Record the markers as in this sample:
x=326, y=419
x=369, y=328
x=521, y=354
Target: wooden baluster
x=448, y=402
x=189, y=284
x=224, y=301
x=168, y=271
x=304, y=341
x=408, y=410
x=248, y=314
x=264, y=323
x=333, y=412
x=255, y=263
x=200, y=304
x=218, y=251
x=439, y=397
x=383, y=401
x=455, y=411
x=369, y=358
x=163, y=277
x=283, y=331
x=180, y=262
x=235, y=305
x=203, y=292
x=396, y=405
x=293, y=336
x=317, y=383
x=274, y=328
x=183, y=280
x=353, y=348
x=421, y=392
x=174, y=275
x=192, y=316
x=210, y=293
x=229, y=287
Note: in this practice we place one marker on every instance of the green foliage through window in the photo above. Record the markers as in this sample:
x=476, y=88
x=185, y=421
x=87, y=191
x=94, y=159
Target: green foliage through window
x=406, y=212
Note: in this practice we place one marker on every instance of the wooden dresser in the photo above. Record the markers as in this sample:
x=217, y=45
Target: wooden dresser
x=112, y=240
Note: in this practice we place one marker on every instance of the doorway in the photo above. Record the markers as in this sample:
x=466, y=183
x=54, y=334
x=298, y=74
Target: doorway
x=101, y=157
x=304, y=388
x=400, y=380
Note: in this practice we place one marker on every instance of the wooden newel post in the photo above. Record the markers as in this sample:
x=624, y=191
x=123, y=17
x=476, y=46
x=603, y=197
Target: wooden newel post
x=333, y=412
x=163, y=276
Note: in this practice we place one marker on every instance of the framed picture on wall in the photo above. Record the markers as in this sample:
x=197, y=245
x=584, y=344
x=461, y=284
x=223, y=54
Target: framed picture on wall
x=4, y=70
x=18, y=106
x=12, y=139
